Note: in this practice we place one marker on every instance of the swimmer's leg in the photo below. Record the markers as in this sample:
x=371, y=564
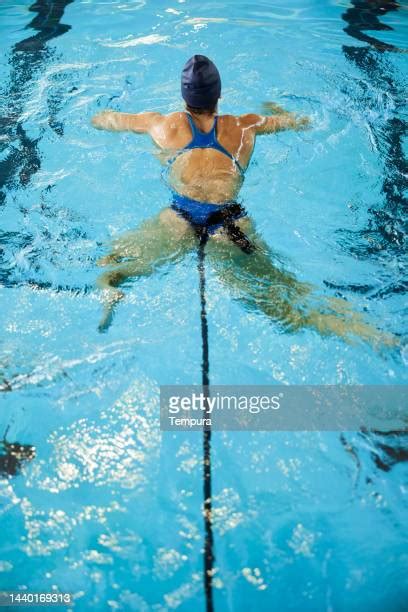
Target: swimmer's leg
x=334, y=318
x=263, y=284
x=158, y=241
x=255, y=278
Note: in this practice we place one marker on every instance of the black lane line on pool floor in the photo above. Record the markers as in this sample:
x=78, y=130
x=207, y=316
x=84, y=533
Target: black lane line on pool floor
x=208, y=560
x=26, y=59
x=386, y=224
x=23, y=159
x=20, y=156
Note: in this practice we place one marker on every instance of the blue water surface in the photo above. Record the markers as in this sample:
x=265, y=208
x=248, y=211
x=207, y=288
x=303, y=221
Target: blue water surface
x=110, y=509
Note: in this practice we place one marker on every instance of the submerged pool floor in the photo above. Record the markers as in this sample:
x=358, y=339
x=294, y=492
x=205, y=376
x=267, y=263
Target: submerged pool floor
x=95, y=499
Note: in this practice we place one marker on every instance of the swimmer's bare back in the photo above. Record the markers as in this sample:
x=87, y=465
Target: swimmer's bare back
x=206, y=175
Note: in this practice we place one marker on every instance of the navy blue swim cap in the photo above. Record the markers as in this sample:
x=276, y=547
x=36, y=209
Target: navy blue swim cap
x=200, y=82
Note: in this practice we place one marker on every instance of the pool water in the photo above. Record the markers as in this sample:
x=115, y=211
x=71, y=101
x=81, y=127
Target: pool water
x=110, y=508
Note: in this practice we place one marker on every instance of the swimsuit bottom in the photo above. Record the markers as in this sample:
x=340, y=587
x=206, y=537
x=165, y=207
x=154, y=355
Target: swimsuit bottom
x=206, y=218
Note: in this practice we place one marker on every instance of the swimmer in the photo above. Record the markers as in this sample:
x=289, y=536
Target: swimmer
x=205, y=157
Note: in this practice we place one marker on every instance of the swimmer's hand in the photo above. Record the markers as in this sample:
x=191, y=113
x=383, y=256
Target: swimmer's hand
x=271, y=108
x=279, y=122
x=104, y=120
x=277, y=118
x=303, y=123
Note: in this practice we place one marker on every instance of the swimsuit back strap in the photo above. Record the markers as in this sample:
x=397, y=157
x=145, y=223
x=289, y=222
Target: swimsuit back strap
x=192, y=127
x=208, y=140
x=201, y=140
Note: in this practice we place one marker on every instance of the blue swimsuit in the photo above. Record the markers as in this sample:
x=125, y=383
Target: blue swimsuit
x=206, y=214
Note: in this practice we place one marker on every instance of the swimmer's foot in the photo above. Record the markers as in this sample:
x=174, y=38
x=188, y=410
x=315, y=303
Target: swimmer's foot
x=350, y=327
x=113, y=296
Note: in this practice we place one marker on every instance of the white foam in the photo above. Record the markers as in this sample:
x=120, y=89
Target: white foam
x=150, y=39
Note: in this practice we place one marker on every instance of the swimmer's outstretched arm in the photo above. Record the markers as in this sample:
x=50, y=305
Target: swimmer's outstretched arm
x=114, y=121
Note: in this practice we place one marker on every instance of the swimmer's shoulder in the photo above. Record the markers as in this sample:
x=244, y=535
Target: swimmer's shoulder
x=169, y=125
x=173, y=122
x=243, y=122
x=174, y=119
x=251, y=120
x=171, y=131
